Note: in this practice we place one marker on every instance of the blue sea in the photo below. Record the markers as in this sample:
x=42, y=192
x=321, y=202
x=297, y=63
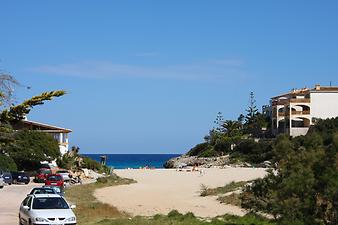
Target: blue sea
x=123, y=161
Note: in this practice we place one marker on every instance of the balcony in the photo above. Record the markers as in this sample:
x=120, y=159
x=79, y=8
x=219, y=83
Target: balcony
x=280, y=102
x=300, y=100
x=291, y=100
x=280, y=114
x=306, y=112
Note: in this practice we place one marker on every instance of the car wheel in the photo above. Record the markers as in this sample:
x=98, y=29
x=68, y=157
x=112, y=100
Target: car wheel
x=26, y=182
x=20, y=223
x=1, y=187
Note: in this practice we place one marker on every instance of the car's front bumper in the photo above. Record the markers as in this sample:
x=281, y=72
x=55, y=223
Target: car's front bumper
x=54, y=223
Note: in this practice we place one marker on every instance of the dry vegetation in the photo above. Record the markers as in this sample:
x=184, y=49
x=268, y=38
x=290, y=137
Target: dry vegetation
x=226, y=194
x=233, y=186
x=89, y=210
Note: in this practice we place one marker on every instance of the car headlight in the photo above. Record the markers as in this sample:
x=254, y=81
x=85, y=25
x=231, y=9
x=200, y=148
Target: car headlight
x=71, y=219
x=40, y=219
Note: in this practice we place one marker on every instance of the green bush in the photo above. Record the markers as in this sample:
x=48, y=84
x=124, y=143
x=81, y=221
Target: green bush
x=7, y=163
x=198, y=149
x=209, y=153
x=31, y=147
x=90, y=163
x=253, y=152
x=303, y=188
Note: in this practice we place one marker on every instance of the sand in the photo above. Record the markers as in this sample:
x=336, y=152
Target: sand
x=160, y=191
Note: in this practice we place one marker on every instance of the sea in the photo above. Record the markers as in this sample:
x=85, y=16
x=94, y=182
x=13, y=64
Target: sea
x=123, y=161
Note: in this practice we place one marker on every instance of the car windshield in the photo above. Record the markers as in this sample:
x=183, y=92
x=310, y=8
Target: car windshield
x=46, y=172
x=43, y=191
x=55, y=188
x=54, y=178
x=49, y=203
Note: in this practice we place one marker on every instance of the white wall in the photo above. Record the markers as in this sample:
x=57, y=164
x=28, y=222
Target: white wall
x=63, y=149
x=294, y=132
x=324, y=105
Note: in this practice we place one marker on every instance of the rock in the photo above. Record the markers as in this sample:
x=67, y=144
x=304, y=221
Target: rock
x=197, y=161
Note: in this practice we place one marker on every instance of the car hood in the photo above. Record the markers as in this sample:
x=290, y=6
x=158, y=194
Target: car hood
x=52, y=213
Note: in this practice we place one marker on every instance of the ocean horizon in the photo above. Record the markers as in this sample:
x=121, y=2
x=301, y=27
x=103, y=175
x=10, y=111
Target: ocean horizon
x=123, y=161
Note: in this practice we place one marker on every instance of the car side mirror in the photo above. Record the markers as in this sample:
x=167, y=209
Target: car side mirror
x=26, y=207
x=72, y=206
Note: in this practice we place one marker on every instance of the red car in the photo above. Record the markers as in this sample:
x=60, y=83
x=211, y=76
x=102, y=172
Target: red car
x=54, y=180
x=41, y=175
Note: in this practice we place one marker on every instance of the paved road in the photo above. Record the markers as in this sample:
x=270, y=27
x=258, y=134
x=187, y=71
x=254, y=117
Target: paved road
x=11, y=197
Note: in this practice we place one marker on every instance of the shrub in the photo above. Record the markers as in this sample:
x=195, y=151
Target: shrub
x=253, y=152
x=198, y=149
x=7, y=163
x=90, y=163
x=303, y=189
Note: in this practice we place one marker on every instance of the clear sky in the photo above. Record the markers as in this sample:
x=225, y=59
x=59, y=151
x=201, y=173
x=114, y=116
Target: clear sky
x=150, y=76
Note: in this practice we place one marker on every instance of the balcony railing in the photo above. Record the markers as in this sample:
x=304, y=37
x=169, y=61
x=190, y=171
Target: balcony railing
x=291, y=100
x=280, y=102
x=300, y=100
x=306, y=112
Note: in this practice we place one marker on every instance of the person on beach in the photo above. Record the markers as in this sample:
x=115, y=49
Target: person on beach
x=201, y=172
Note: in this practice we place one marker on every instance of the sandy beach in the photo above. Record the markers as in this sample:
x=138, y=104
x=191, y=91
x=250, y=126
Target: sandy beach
x=160, y=191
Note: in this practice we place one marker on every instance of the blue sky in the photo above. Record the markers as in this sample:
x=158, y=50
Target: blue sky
x=150, y=76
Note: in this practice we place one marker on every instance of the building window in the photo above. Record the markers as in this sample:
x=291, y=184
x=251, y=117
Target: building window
x=64, y=137
x=56, y=136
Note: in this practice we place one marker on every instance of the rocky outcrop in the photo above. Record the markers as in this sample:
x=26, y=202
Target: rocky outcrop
x=185, y=160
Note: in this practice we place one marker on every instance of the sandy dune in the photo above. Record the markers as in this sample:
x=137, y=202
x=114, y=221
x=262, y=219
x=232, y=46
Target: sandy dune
x=160, y=191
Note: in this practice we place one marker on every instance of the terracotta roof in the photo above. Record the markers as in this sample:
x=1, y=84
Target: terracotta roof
x=318, y=88
x=326, y=89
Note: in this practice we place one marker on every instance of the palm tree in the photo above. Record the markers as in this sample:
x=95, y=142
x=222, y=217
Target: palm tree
x=232, y=128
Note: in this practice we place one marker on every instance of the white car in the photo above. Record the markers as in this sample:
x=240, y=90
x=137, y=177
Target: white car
x=2, y=182
x=46, y=209
x=64, y=174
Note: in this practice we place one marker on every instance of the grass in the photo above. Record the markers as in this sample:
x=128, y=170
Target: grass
x=90, y=211
x=232, y=199
x=223, y=197
x=175, y=218
x=233, y=186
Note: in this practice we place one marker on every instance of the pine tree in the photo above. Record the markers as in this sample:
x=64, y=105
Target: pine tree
x=219, y=122
x=252, y=110
x=18, y=112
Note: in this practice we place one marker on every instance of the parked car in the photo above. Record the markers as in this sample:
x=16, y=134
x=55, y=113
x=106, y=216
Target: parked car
x=58, y=190
x=43, y=190
x=2, y=183
x=54, y=180
x=46, y=209
x=45, y=166
x=20, y=177
x=7, y=176
x=41, y=175
x=65, y=174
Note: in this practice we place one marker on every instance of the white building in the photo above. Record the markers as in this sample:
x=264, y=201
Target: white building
x=294, y=112
x=58, y=133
